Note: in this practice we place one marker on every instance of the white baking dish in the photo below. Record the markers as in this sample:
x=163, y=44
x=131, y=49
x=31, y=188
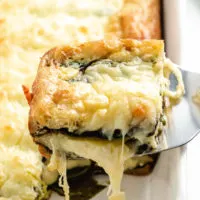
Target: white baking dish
x=168, y=180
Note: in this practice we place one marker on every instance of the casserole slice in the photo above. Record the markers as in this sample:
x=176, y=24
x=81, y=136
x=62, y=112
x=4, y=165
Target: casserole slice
x=102, y=102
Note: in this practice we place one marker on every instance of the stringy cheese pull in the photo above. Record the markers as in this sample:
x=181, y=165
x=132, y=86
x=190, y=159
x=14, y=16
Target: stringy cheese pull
x=58, y=162
x=107, y=155
x=62, y=169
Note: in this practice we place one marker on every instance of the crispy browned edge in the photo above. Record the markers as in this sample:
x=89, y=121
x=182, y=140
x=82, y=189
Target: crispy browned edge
x=138, y=19
x=93, y=50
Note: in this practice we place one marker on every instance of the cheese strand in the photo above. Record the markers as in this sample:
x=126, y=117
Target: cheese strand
x=173, y=68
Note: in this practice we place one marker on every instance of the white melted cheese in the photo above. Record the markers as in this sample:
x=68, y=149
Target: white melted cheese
x=106, y=97
x=106, y=154
x=28, y=29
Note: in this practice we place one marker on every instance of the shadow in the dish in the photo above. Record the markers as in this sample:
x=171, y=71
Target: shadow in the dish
x=82, y=184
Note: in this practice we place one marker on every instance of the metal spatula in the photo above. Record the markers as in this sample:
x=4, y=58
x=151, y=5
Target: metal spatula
x=184, y=124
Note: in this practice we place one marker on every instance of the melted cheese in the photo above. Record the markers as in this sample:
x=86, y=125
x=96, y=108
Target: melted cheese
x=107, y=97
x=113, y=157
x=106, y=154
x=28, y=29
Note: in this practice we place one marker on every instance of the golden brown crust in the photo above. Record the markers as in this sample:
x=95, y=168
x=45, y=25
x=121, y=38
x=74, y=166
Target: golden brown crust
x=101, y=49
x=138, y=19
x=49, y=67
